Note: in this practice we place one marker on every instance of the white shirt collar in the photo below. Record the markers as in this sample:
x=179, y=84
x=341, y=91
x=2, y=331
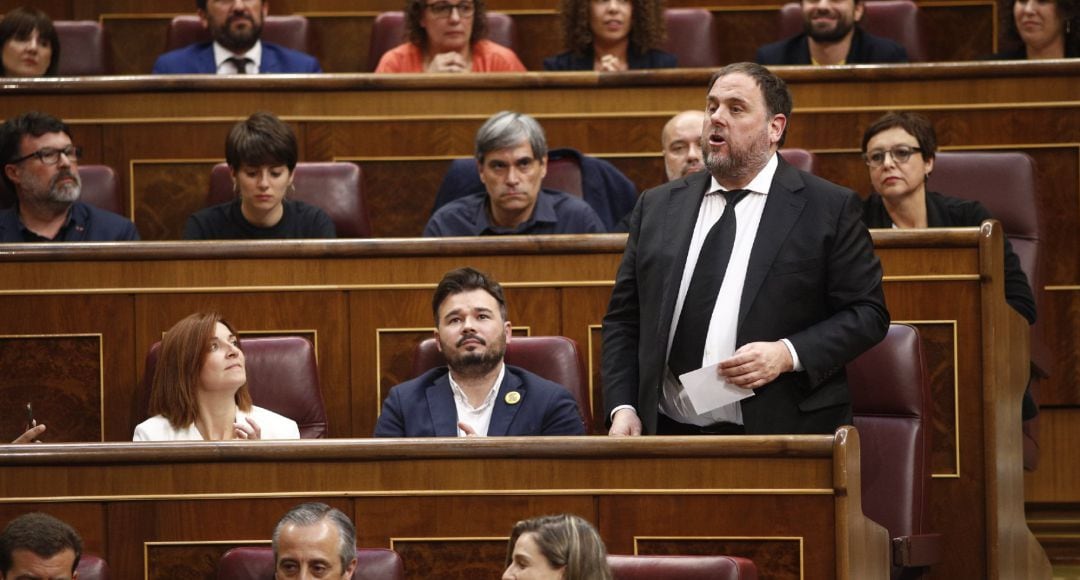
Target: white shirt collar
x=221, y=54
x=759, y=184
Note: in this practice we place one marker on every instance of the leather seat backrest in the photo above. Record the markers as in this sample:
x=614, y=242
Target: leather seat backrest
x=691, y=38
x=84, y=48
x=282, y=377
x=682, y=568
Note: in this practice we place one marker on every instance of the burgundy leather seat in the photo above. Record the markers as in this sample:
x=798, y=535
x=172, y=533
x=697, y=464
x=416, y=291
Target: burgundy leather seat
x=291, y=31
x=564, y=174
x=690, y=37
x=897, y=20
x=98, y=189
x=556, y=358
x=92, y=567
x=890, y=397
x=84, y=49
x=332, y=187
x=1004, y=182
x=682, y=568
x=282, y=376
x=799, y=159
x=388, y=31
x=258, y=564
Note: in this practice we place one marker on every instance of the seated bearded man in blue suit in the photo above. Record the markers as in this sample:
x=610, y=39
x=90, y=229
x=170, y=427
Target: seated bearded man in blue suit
x=235, y=26
x=476, y=394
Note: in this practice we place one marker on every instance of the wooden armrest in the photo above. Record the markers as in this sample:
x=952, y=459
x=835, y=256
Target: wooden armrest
x=917, y=550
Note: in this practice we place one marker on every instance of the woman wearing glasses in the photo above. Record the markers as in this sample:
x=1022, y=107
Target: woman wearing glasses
x=899, y=149
x=447, y=36
x=612, y=36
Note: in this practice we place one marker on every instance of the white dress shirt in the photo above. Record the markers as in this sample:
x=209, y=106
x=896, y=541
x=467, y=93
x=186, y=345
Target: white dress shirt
x=225, y=67
x=723, y=323
x=479, y=417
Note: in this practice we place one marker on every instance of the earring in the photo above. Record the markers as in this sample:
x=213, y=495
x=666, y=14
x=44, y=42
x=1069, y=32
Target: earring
x=236, y=188
x=291, y=190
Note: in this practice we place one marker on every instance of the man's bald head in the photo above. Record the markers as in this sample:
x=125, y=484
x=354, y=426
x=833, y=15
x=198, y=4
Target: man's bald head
x=681, y=141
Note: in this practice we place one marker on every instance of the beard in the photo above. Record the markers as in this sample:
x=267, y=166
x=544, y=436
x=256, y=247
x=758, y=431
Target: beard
x=237, y=41
x=834, y=34
x=55, y=194
x=475, y=364
x=740, y=162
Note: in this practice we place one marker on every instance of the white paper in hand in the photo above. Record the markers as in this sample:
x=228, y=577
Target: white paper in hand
x=707, y=391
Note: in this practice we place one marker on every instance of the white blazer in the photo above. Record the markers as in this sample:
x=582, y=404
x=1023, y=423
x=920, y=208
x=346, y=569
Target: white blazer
x=272, y=425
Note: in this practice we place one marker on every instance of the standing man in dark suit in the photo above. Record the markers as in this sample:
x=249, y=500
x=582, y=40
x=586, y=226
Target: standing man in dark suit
x=476, y=394
x=832, y=36
x=235, y=26
x=800, y=294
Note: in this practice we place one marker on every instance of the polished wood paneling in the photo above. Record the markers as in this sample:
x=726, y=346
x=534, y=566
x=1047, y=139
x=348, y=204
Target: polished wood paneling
x=61, y=377
x=444, y=504
x=358, y=294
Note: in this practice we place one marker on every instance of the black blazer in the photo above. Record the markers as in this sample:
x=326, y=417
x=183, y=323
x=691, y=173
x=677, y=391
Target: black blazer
x=651, y=58
x=812, y=278
x=865, y=49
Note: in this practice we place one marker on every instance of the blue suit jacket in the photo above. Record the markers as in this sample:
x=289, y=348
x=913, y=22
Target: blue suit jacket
x=424, y=407
x=198, y=58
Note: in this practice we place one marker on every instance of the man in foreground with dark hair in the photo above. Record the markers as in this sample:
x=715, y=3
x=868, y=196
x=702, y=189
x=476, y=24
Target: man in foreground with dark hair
x=236, y=48
x=476, y=394
x=314, y=540
x=39, y=546
x=41, y=165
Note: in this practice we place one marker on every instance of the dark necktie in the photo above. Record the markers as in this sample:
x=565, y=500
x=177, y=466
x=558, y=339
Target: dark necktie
x=240, y=63
x=688, y=345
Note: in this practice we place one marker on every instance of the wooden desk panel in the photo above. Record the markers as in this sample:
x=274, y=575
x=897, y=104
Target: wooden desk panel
x=427, y=498
x=368, y=300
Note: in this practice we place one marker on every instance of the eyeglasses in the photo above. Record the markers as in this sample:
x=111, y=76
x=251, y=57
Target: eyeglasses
x=50, y=156
x=899, y=155
x=523, y=165
x=444, y=9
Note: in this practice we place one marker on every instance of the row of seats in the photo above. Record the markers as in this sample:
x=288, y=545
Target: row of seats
x=890, y=398
x=383, y=564
x=691, y=34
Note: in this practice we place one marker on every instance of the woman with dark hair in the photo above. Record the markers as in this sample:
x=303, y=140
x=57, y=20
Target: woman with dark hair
x=612, y=36
x=261, y=152
x=29, y=42
x=447, y=36
x=899, y=149
x=562, y=547
x=1045, y=28
x=199, y=391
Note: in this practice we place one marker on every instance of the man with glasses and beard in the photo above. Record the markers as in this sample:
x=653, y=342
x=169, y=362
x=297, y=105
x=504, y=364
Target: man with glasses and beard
x=832, y=36
x=754, y=275
x=476, y=394
x=41, y=165
x=235, y=26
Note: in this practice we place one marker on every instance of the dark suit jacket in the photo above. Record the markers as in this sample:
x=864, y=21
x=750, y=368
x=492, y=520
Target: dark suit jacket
x=86, y=224
x=865, y=49
x=198, y=58
x=635, y=60
x=812, y=278
x=424, y=407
